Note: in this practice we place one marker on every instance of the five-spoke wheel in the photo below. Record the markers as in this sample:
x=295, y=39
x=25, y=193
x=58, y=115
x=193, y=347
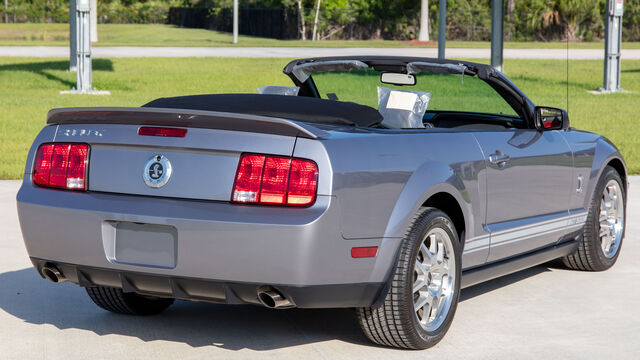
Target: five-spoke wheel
x=604, y=230
x=423, y=296
x=611, y=218
x=434, y=281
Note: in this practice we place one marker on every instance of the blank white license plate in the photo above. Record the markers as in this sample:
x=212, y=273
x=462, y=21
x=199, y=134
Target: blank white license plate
x=146, y=245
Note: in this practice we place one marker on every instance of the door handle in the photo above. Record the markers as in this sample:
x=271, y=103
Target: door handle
x=499, y=158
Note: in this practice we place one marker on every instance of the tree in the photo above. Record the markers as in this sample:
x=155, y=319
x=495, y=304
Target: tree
x=424, y=21
x=578, y=16
x=303, y=29
x=315, y=22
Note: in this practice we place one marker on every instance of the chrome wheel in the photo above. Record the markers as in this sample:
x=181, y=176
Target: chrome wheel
x=611, y=218
x=434, y=279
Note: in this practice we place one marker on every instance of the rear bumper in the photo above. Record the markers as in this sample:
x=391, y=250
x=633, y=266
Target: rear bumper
x=223, y=252
x=314, y=296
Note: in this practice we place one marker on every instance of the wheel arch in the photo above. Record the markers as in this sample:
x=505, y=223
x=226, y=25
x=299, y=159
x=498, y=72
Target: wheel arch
x=619, y=166
x=434, y=184
x=443, y=197
x=605, y=154
x=448, y=204
x=437, y=185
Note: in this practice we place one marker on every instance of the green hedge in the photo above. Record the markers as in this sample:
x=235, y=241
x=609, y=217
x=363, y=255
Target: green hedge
x=109, y=11
x=539, y=20
x=136, y=12
x=530, y=20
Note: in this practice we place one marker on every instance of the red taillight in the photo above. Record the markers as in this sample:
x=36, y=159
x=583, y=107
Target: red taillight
x=42, y=168
x=77, y=168
x=59, y=165
x=275, y=180
x=364, y=252
x=302, y=182
x=248, y=178
x=162, y=131
x=62, y=166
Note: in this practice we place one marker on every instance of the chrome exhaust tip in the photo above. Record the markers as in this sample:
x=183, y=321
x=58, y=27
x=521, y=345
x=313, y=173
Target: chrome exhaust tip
x=272, y=298
x=52, y=274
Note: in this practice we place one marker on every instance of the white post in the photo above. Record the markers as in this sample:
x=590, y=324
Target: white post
x=613, y=41
x=84, y=46
x=424, y=21
x=82, y=34
x=235, y=21
x=94, y=20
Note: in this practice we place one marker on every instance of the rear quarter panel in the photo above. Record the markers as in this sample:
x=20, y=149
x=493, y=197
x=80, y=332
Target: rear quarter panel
x=381, y=180
x=47, y=134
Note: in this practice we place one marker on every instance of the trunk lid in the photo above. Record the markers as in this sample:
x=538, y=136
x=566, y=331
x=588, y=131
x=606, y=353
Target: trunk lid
x=203, y=163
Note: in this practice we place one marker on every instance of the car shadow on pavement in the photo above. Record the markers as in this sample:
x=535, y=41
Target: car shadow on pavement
x=26, y=296
x=234, y=327
x=495, y=284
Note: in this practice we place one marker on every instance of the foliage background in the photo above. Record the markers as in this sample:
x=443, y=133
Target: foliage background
x=526, y=20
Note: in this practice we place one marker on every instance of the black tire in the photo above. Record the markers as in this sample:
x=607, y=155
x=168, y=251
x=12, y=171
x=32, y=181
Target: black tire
x=590, y=256
x=395, y=323
x=117, y=301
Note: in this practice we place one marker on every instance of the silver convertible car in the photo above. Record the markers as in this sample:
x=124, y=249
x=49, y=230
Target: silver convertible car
x=384, y=184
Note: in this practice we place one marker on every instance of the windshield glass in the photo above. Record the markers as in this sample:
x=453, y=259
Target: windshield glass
x=448, y=92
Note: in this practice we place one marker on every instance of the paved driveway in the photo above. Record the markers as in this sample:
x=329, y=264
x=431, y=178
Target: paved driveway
x=542, y=313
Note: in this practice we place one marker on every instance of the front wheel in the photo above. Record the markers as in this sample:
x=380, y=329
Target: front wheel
x=423, y=296
x=604, y=230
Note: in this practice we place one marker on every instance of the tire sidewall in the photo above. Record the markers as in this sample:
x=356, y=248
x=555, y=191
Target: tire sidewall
x=430, y=220
x=593, y=230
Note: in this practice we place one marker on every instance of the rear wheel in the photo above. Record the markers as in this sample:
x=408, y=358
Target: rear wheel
x=117, y=301
x=602, y=238
x=423, y=297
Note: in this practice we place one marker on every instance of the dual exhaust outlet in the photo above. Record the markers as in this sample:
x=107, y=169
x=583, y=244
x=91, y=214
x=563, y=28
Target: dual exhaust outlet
x=272, y=298
x=268, y=296
x=53, y=274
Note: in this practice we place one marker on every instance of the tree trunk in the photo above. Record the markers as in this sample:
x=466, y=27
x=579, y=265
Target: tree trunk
x=303, y=29
x=6, y=9
x=510, y=25
x=315, y=21
x=511, y=7
x=424, y=21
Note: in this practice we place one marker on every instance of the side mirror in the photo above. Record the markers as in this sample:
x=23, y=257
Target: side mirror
x=550, y=118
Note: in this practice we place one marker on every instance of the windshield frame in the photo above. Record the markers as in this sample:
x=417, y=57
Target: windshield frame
x=504, y=88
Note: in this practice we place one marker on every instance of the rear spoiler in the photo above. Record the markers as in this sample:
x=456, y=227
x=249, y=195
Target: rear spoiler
x=183, y=118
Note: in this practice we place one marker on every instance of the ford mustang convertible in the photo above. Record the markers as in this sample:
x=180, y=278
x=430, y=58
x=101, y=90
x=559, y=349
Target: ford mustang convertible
x=384, y=184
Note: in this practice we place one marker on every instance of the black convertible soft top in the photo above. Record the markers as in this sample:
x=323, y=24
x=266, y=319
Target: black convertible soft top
x=299, y=108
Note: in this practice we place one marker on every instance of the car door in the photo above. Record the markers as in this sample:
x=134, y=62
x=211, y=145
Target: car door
x=529, y=179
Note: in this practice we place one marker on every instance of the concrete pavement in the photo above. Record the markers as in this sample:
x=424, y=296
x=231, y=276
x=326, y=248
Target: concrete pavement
x=300, y=52
x=545, y=312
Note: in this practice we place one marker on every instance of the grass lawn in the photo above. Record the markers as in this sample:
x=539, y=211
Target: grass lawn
x=167, y=35
x=30, y=87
